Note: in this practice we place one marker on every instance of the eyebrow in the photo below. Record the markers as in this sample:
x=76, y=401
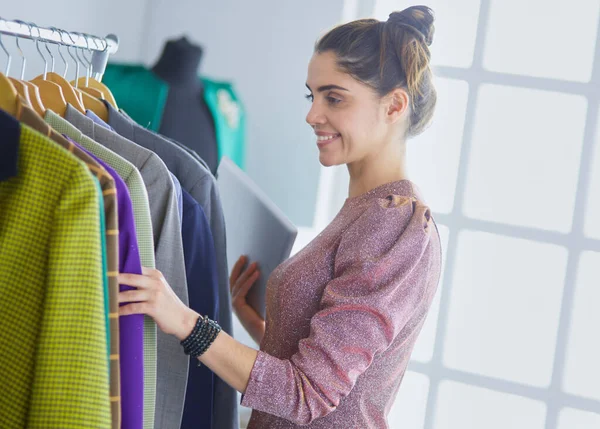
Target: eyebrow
x=327, y=88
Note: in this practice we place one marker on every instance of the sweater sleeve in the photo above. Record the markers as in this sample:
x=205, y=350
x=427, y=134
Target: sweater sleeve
x=379, y=281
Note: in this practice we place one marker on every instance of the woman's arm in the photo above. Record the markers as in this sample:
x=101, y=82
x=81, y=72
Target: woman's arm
x=379, y=283
x=254, y=325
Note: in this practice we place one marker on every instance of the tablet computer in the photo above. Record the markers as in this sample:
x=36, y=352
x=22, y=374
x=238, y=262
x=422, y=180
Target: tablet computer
x=255, y=227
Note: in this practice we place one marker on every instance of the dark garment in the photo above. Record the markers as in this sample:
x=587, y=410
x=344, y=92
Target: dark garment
x=201, y=185
x=9, y=145
x=192, y=152
x=187, y=119
x=131, y=328
x=201, y=271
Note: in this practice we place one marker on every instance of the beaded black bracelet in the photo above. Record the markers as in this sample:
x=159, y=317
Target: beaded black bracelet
x=201, y=338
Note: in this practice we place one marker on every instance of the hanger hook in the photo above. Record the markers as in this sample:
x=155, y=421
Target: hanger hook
x=24, y=60
x=49, y=51
x=37, y=46
x=9, y=58
x=60, y=52
x=74, y=59
x=88, y=66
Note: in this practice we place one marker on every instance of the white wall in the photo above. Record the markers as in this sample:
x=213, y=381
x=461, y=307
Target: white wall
x=264, y=48
x=123, y=18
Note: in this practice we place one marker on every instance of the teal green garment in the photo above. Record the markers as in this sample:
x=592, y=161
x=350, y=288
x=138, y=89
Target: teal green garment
x=104, y=267
x=143, y=96
x=137, y=91
x=230, y=119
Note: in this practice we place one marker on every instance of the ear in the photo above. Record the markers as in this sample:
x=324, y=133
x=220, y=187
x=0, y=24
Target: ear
x=397, y=103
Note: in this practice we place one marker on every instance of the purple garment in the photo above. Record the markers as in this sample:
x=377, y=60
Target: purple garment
x=97, y=119
x=131, y=328
x=178, y=192
x=343, y=315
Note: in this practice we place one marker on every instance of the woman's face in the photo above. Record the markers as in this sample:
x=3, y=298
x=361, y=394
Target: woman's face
x=347, y=116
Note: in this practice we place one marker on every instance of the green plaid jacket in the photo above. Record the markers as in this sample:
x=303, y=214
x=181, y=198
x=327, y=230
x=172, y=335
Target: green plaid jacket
x=111, y=244
x=52, y=326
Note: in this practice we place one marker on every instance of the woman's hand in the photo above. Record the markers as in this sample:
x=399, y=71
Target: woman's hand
x=240, y=283
x=155, y=298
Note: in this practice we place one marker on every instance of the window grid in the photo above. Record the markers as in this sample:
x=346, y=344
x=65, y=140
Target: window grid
x=575, y=241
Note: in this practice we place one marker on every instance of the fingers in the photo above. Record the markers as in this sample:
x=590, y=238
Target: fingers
x=152, y=272
x=252, y=268
x=136, y=308
x=237, y=269
x=147, y=280
x=247, y=273
x=135, y=280
x=245, y=287
x=138, y=295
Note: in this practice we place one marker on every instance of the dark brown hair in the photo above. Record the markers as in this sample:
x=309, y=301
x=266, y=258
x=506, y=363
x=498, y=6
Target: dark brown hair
x=389, y=55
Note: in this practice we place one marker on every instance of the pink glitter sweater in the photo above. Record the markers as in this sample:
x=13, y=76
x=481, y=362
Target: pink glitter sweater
x=343, y=315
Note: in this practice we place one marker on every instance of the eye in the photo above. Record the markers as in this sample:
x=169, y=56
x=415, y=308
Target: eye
x=309, y=97
x=333, y=100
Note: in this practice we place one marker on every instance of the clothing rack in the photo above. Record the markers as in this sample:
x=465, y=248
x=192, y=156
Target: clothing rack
x=101, y=47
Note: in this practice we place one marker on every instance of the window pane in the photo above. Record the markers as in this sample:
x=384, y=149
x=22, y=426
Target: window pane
x=423, y=351
x=408, y=411
x=576, y=419
x=434, y=155
x=582, y=373
x=542, y=38
x=466, y=407
x=591, y=225
x=455, y=28
x=506, y=292
x=521, y=170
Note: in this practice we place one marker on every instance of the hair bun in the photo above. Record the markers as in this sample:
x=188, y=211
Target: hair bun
x=419, y=19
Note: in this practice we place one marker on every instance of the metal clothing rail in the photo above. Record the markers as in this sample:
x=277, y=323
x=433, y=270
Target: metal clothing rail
x=101, y=47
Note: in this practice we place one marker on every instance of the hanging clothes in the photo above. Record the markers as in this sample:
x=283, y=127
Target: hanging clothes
x=110, y=215
x=172, y=365
x=201, y=185
x=137, y=375
x=49, y=211
x=147, y=211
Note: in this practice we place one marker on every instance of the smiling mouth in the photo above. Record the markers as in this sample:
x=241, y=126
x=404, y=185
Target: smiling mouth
x=323, y=140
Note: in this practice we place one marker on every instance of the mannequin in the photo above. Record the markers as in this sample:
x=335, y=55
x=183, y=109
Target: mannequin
x=186, y=117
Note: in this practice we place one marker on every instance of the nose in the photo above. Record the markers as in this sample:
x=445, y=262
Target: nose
x=315, y=116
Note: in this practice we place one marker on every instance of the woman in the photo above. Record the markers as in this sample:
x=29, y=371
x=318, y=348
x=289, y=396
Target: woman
x=344, y=313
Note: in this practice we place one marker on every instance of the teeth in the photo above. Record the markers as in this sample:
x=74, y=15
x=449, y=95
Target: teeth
x=325, y=138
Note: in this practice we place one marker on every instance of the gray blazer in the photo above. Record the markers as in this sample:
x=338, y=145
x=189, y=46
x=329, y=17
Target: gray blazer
x=172, y=363
x=202, y=186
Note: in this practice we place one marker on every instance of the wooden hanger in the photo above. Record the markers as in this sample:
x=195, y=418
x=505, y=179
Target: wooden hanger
x=52, y=96
x=95, y=105
x=93, y=92
x=36, y=100
x=8, y=92
x=69, y=94
x=22, y=89
x=93, y=83
x=18, y=84
x=8, y=96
